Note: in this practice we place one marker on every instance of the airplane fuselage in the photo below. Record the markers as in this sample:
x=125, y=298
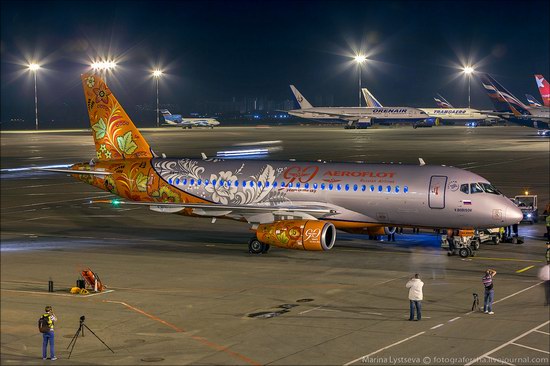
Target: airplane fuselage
x=455, y=114
x=361, y=195
x=374, y=113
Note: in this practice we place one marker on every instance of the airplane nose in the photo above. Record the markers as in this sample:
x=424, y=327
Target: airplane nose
x=513, y=214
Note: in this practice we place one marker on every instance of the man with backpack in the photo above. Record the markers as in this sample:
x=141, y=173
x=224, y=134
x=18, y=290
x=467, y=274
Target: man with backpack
x=45, y=325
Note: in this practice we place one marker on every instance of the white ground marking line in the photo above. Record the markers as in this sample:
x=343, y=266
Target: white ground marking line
x=516, y=293
x=437, y=326
x=507, y=343
x=468, y=313
x=531, y=348
x=453, y=319
x=307, y=311
x=373, y=313
x=499, y=361
x=34, y=218
x=61, y=201
x=383, y=348
x=540, y=331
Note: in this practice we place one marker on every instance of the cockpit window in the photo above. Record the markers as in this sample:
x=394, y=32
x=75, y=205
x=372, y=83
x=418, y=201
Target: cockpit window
x=465, y=188
x=475, y=188
x=489, y=188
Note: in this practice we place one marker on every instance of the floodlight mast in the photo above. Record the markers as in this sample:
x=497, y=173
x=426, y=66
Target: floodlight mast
x=157, y=74
x=469, y=70
x=360, y=59
x=34, y=67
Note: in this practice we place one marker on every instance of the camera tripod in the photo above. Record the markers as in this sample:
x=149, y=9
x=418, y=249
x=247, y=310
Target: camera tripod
x=81, y=331
x=475, y=305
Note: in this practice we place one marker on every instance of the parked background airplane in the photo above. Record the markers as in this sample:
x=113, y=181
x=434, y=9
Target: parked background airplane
x=288, y=204
x=360, y=117
x=442, y=102
x=445, y=113
x=532, y=101
x=544, y=89
x=179, y=121
x=511, y=108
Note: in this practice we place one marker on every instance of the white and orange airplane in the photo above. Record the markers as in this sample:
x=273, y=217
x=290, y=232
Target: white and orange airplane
x=294, y=205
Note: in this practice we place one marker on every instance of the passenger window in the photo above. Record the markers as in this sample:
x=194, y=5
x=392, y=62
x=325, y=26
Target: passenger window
x=282, y=184
x=306, y=186
x=199, y=182
x=267, y=183
x=213, y=182
x=322, y=186
x=236, y=183
x=260, y=184
x=380, y=188
x=192, y=182
x=405, y=189
x=346, y=187
x=297, y=185
x=289, y=185
x=330, y=186
x=465, y=188
x=243, y=184
x=363, y=188
x=229, y=183
x=177, y=181
x=184, y=181
x=475, y=188
x=355, y=187
x=372, y=188
x=396, y=189
x=274, y=184
x=314, y=185
x=388, y=189
x=338, y=186
x=251, y=184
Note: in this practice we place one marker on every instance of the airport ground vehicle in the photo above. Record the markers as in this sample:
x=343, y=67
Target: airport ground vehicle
x=528, y=206
x=464, y=243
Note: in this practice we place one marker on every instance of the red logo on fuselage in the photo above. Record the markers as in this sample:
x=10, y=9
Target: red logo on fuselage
x=301, y=174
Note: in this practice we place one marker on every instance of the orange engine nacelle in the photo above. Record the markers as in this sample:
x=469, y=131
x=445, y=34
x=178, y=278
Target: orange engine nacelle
x=298, y=234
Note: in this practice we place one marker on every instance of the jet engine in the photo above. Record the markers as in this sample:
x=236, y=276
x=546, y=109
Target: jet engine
x=428, y=122
x=298, y=234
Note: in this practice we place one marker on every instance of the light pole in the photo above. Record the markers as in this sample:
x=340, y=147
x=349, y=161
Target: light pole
x=34, y=68
x=360, y=59
x=157, y=74
x=468, y=70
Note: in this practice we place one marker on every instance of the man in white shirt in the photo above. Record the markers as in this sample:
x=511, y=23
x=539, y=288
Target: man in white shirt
x=415, y=285
x=544, y=274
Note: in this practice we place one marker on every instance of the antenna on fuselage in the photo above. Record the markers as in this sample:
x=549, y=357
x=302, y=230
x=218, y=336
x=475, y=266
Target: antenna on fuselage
x=422, y=162
x=204, y=157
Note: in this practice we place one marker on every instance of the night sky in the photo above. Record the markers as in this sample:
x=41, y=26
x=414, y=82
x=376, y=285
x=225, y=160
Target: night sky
x=213, y=51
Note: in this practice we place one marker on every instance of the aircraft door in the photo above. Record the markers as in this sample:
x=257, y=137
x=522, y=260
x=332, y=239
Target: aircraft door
x=436, y=195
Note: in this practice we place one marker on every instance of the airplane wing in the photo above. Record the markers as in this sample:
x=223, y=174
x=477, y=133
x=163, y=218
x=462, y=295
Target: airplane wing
x=70, y=171
x=252, y=214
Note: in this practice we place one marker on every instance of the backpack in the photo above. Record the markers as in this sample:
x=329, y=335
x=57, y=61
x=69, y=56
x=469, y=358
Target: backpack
x=43, y=324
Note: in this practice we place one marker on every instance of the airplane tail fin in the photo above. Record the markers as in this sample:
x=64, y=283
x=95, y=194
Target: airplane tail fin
x=502, y=99
x=544, y=89
x=370, y=99
x=165, y=112
x=300, y=99
x=115, y=135
x=532, y=101
x=442, y=102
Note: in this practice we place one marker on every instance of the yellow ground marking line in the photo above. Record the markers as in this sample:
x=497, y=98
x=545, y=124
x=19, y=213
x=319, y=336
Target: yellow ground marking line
x=56, y=294
x=202, y=340
x=524, y=269
x=508, y=259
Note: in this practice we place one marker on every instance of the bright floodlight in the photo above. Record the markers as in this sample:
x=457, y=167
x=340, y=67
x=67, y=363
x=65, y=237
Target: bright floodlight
x=157, y=73
x=103, y=65
x=468, y=70
x=360, y=59
x=34, y=67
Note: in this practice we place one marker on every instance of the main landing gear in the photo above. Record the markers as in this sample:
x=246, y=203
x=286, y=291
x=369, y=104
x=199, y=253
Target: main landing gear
x=257, y=247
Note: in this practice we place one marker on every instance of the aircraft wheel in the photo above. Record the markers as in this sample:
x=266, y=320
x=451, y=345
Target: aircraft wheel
x=464, y=252
x=255, y=246
x=266, y=248
x=496, y=240
x=475, y=244
x=471, y=251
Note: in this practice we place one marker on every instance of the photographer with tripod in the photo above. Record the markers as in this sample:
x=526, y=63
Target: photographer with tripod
x=45, y=326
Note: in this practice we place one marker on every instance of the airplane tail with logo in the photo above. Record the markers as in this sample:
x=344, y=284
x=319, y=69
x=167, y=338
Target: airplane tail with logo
x=300, y=99
x=442, y=102
x=370, y=99
x=502, y=99
x=165, y=112
x=532, y=101
x=115, y=135
x=544, y=89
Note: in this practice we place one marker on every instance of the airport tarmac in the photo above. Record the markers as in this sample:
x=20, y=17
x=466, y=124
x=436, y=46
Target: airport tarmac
x=185, y=291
